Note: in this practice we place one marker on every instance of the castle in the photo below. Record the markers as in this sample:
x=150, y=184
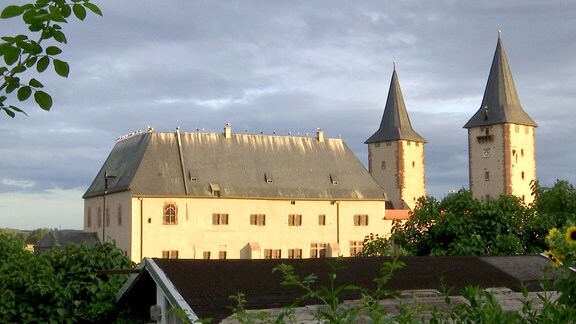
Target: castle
x=223, y=195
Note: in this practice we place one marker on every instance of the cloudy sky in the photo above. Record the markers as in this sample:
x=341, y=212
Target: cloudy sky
x=280, y=66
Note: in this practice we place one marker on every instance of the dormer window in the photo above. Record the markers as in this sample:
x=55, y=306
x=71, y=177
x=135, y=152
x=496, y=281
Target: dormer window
x=333, y=179
x=215, y=189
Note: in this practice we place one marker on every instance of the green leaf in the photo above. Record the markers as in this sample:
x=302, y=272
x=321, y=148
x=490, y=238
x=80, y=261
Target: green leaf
x=56, y=14
x=24, y=93
x=94, y=8
x=59, y=36
x=31, y=61
x=11, y=55
x=11, y=11
x=43, y=64
x=61, y=67
x=35, y=83
x=13, y=85
x=66, y=11
x=17, y=109
x=53, y=50
x=43, y=100
x=8, y=112
x=79, y=11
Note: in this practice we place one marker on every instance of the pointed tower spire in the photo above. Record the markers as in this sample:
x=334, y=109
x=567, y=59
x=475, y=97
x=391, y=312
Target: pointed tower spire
x=500, y=103
x=395, y=124
x=396, y=153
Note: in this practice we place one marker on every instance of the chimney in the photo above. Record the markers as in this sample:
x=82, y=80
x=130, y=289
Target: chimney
x=227, y=131
x=320, y=135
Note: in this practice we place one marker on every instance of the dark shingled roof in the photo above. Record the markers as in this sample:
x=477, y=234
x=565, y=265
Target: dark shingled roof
x=61, y=238
x=244, y=165
x=395, y=124
x=500, y=103
x=206, y=285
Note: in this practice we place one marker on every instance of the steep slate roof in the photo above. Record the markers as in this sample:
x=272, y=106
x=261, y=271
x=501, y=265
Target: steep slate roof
x=204, y=286
x=244, y=165
x=395, y=124
x=500, y=103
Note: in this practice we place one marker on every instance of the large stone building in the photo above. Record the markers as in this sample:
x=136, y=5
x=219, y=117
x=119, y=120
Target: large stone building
x=501, y=140
x=396, y=153
x=222, y=195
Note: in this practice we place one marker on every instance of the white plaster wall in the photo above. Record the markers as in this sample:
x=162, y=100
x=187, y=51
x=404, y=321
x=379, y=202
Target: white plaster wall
x=195, y=233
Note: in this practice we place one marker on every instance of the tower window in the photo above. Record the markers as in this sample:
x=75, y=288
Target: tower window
x=383, y=165
x=388, y=143
x=526, y=130
x=522, y=175
x=413, y=164
x=376, y=144
x=486, y=176
x=408, y=143
x=521, y=152
x=517, y=128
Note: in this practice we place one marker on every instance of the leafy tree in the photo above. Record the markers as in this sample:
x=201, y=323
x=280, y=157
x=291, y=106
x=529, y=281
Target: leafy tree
x=23, y=52
x=61, y=286
x=463, y=225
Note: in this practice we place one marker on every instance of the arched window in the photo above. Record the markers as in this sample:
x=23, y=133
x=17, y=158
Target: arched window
x=170, y=214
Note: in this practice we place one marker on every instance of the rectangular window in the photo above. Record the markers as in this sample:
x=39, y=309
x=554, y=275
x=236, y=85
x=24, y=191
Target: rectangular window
x=222, y=255
x=383, y=165
x=486, y=176
x=89, y=218
x=360, y=220
x=294, y=220
x=526, y=130
x=206, y=255
x=219, y=219
x=258, y=219
x=376, y=144
x=388, y=143
x=99, y=218
x=517, y=128
x=322, y=220
x=318, y=250
x=356, y=247
x=119, y=215
x=272, y=253
x=170, y=254
x=294, y=253
x=408, y=143
x=107, y=216
x=170, y=216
